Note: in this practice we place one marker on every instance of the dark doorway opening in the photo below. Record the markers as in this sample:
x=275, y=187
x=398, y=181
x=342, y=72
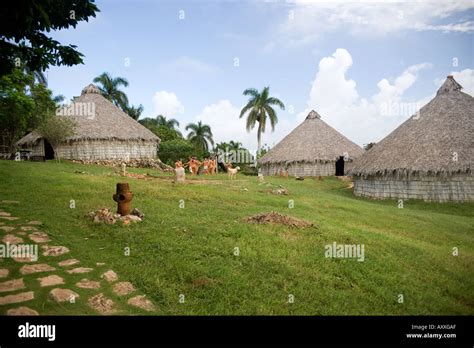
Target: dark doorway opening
x=48, y=151
x=340, y=166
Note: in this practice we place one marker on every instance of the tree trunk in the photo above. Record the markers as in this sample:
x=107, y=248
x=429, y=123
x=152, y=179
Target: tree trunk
x=259, y=140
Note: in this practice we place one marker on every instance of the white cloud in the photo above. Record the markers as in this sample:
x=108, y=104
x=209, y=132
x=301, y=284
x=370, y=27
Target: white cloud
x=167, y=104
x=310, y=19
x=362, y=120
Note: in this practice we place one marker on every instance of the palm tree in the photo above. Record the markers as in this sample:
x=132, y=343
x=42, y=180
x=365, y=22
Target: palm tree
x=259, y=107
x=200, y=135
x=169, y=123
x=109, y=87
x=134, y=112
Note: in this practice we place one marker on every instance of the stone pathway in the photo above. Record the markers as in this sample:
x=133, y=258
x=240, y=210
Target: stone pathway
x=15, y=291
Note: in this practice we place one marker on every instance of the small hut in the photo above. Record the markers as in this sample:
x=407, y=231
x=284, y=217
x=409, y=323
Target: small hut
x=430, y=156
x=312, y=149
x=102, y=132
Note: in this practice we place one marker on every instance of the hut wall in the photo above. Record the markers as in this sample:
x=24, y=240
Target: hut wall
x=37, y=149
x=301, y=169
x=114, y=149
x=456, y=187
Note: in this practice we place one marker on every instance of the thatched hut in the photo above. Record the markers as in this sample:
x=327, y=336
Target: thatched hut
x=312, y=149
x=430, y=156
x=102, y=132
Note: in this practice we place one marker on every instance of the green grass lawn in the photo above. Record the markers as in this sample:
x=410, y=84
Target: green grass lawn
x=190, y=250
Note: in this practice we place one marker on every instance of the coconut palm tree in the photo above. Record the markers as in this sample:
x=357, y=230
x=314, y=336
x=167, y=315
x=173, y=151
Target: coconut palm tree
x=109, y=87
x=259, y=107
x=134, y=112
x=200, y=135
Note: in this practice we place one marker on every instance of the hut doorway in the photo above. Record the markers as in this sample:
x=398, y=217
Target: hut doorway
x=340, y=166
x=48, y=150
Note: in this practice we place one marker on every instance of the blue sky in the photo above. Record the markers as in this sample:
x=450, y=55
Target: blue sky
x=346, y=60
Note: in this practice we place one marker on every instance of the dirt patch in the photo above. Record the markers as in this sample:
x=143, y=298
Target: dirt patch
x=275, y=218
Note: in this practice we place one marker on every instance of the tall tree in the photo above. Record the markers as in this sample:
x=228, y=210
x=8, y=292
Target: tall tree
x=170, y=123
x=200, y=136
x=110, y=88
x=134, y=112
x=259, y=108
x=24, y=25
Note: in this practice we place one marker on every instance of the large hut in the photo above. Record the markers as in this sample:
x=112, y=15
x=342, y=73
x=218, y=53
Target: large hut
x=312, y=149
x=102, y=132
x=430, y=156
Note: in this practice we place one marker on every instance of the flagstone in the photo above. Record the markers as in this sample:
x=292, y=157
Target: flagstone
x=25, y=259
x=80, y=270
x=51, y=280
x=17, y=298
x=102, y=304
x=62, y=295
x=12, y=285
x=4, y=213
x=110, y=276
x=69, y=262
x=35, y=222
x=28, y=228
x=39, y=237
x=22, y=311
x=54, y=250
x=40, y=267
x=9, y=218
x=21, y=233
x=100, y=263
x=4, y=272
x=142, y=302
x=12, y=239
x=123, y=288
x=6, y=201
x=7, y=228
x=88, y=284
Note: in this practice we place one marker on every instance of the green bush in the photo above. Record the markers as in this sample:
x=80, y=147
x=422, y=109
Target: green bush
x=172, y=150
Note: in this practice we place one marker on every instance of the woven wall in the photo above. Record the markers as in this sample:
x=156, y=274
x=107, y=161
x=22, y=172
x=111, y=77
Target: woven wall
x=455, y=188
x=301, y=169
x=114, y=149
x=94, y=149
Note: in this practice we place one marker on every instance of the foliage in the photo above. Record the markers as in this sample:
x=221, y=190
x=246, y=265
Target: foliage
x=56, y=129
x=23, y=28
x=200, y=136
x=134, y=112
x=16, y=107
x=162, y=130
x=110, y=88
x=258, y=108
x=172, y=150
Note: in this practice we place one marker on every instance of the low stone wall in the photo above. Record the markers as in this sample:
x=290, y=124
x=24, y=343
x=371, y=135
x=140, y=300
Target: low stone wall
x=455, y=188
x=301, y=169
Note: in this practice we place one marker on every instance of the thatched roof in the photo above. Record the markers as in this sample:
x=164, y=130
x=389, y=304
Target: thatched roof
x=107, y=122
x=429, y=141
x=312, y=141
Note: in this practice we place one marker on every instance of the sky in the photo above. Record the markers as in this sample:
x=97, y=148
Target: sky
x=364, y=66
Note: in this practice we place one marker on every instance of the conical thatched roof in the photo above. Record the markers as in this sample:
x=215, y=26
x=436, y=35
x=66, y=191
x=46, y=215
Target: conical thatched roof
x=438, y=139
x=312, y=141
x=106, y=123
